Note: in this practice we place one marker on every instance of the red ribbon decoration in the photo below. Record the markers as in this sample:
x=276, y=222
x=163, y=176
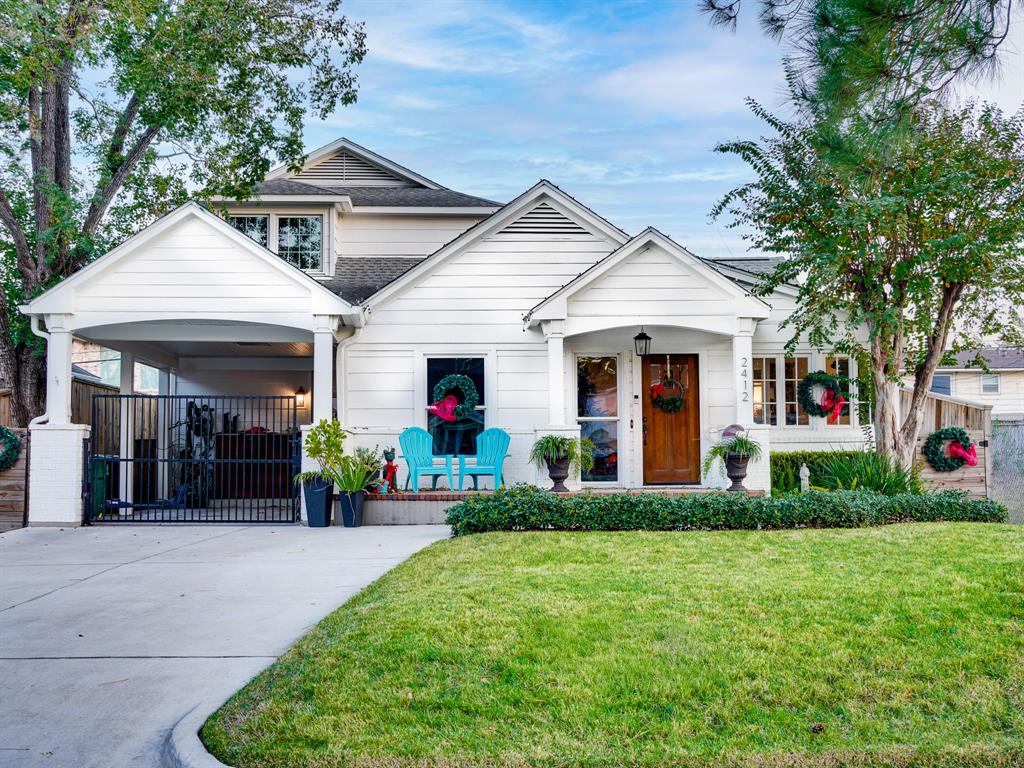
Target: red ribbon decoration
x=969, y=455
x=657, y=390
x=834, y=402
x=444, y=409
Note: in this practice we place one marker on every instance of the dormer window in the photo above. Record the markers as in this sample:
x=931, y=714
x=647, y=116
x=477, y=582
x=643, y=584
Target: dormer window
x=298, y=239
x=255, y=227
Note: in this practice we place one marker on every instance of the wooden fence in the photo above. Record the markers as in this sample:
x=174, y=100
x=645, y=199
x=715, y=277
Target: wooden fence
x=942, y=411
x=81, y=401
x=13, y=486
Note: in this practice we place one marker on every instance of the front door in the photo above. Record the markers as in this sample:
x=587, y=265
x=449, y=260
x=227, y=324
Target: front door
x=671, y=419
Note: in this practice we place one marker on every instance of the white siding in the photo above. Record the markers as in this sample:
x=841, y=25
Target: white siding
x=365, y=234
x=1010, y=400
x=184, y=271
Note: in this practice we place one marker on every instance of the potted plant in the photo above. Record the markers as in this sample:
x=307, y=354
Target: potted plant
x=325, y=445
x=354, y=473
x=735, y=452
x=561, y=454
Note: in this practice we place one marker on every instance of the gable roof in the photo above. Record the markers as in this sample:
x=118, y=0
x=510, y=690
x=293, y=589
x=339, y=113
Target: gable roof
x=378, y=197
x=347, y=146
x=649, y=236
x=46, y=301
x=542, y=191
x=357, y=278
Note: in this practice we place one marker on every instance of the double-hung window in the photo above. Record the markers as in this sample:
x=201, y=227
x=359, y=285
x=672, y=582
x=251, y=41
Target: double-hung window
x=990, y=383
x=839, y=366
x=297, y=239
x=942, y=384
x=458, y=437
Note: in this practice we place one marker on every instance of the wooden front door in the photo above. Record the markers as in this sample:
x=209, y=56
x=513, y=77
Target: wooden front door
x=671, y=441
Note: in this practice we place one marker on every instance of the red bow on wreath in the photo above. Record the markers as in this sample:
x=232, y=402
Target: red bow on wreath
x=444, y=409
x=970, y=455
x=657, y=390
x=833, y=401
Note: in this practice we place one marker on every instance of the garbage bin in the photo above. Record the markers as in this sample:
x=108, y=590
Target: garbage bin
x=99, y=484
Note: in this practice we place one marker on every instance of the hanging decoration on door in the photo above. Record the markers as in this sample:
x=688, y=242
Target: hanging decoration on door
x=832, y=397
x=660, y=392
x=447, y=406
x=961, y=449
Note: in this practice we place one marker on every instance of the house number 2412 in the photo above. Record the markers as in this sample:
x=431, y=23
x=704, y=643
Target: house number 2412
x=744, y=379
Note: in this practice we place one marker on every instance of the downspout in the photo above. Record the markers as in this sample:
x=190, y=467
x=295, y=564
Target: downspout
x=44, y=417
x=343, y=345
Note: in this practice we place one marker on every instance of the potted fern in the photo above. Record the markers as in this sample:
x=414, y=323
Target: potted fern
x=735, y=452
x=561, y=454
x=354, y=474
x=325, y=444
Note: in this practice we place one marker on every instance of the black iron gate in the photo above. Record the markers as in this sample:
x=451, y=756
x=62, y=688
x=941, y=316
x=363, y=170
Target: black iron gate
x=188, y=459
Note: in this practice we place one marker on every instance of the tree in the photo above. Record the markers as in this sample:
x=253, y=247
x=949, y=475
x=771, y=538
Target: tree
x=878, y=57
x=916, y=241
x=112, y=111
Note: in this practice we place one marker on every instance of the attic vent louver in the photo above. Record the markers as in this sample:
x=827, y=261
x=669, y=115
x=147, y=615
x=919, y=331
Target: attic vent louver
x=345, y=168
x=544, y=220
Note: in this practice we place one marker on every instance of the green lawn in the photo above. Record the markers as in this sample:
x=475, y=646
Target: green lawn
x=895, y=646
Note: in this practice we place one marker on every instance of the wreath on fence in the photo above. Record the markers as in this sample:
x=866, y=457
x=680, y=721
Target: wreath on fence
x=10, y=448
x=464, y=385
x=961, y=449
x=671, y=404
x=832, y=398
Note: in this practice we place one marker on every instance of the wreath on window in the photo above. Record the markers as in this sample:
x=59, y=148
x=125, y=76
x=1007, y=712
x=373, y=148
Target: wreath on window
x=464, y=385
x=961, y=449
x=672, y=403
x=10, y=448
x=832, y=398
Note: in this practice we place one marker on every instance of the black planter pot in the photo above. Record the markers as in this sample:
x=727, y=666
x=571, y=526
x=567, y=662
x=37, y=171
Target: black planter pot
x=736, y=469
x=319, y=501
x=352, y=508
x=558, y=471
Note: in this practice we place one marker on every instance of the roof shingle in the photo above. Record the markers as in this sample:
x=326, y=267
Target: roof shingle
x=357, y=278
x=391, y=197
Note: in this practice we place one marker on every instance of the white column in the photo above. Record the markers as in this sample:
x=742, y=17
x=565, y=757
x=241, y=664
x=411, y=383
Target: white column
x=323, y=367
x=554, y=335
x=742, y=351
x=58, y=371
x=163, y=388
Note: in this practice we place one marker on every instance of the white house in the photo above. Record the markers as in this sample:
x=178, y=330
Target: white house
x=354, y=285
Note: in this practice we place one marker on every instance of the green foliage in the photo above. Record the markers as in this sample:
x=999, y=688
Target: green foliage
x=325, y=444
x=737, y=445
x=525, y=507
x=878, y=57
x=911, y=239
x=785, y=467
x=878, y=472
x=355, y=471
x=551, y=448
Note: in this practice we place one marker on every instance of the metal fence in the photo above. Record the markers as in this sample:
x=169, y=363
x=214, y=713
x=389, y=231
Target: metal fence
x=1008, y=467
x=179, y=458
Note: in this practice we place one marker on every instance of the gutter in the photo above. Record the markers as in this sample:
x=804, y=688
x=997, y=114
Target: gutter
x=44, y=417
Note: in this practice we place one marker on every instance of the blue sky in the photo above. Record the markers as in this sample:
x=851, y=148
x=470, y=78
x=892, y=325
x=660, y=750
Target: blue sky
x=619, y=103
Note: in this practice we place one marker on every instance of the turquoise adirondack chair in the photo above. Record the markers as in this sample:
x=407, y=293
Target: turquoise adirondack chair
x=491, y=449
x=418, y=452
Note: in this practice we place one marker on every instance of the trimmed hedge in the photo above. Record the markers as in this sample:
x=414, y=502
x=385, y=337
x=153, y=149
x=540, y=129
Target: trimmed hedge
x=785, y=467
x=526, y=507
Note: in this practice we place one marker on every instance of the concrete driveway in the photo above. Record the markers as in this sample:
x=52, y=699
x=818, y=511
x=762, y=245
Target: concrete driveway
x=109, y=635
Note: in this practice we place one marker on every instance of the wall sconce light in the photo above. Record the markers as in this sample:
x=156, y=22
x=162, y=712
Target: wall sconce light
x=300, y=397
x=642, y=342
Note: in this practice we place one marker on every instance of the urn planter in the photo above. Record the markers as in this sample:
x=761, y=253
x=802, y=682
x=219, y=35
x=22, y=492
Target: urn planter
x=558, y=471
x=736, y=470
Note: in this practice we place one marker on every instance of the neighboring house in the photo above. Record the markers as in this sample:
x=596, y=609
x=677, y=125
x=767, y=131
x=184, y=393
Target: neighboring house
x=1002, y=386
x=354, y=285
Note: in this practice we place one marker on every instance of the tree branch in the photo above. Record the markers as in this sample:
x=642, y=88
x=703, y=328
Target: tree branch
x=21, y=247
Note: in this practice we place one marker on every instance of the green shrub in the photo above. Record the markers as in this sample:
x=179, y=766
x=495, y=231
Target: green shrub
x=526, y=507
x=785, y=467
x=870, y=471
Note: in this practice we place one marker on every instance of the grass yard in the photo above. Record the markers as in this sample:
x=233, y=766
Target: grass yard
x=892, y=646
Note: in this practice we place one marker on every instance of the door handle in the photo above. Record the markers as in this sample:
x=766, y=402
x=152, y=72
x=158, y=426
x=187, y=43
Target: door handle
x=645, y=430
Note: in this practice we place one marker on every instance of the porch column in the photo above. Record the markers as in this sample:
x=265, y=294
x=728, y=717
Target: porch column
x=555, y=337
x=162, y=428
x=323, y=367
x=58, y=371
x=742, y=352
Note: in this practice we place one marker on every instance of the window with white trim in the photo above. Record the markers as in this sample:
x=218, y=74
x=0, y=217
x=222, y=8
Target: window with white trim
x=990, y=383
x=839, y=366
x=794, y=369
x=297, y=238
x=254, y=227
x=597, y=412
x=942, y=384
x=766, y=390
x=455, y=437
